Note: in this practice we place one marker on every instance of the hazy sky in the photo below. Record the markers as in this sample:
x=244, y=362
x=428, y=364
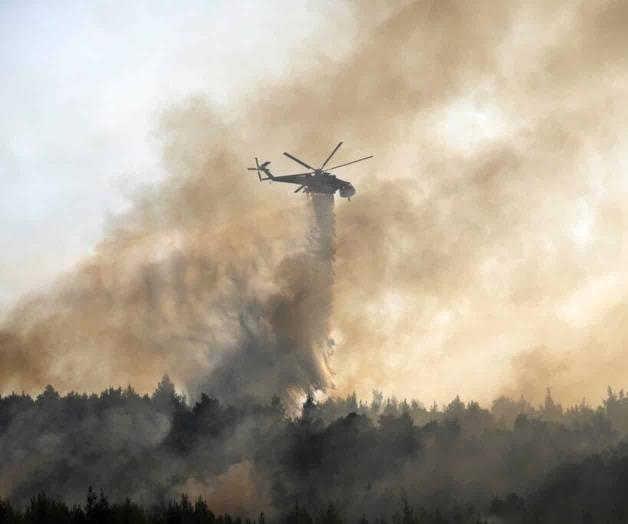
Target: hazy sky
x=83, y=85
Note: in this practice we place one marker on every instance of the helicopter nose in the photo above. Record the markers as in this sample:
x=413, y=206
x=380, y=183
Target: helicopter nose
x=348, y=191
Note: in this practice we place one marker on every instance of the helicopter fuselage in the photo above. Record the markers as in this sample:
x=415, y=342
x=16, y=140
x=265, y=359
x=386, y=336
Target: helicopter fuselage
x=324, y=182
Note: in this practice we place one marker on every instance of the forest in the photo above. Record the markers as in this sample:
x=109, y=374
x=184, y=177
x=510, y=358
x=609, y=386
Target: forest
x=160, y=458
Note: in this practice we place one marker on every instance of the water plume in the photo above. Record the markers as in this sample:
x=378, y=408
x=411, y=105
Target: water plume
x=284, y=335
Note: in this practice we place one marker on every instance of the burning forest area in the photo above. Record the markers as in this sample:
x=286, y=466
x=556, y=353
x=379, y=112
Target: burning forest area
x=436, y=335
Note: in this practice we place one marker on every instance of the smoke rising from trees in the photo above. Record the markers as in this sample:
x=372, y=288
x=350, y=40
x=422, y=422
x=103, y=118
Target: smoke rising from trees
x=286, y=341
x=482, y=254
x=486, y=236
x=364, y=458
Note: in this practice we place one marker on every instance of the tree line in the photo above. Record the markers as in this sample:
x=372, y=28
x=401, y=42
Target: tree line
x=460, y=462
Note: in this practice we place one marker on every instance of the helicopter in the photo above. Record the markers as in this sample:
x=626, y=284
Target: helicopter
x=317, y=180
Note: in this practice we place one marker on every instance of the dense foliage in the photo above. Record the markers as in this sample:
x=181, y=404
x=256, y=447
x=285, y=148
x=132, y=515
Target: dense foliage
x=461, y=462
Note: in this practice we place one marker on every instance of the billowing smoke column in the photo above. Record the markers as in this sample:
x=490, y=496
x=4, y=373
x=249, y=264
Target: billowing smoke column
x=238, y=311
x=284, y=342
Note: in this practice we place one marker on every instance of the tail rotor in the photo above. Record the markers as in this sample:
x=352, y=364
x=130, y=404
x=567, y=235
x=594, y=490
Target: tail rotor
x=256, y=168
x=261, y=168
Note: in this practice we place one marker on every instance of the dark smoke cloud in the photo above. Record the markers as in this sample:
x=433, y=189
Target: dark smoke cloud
x=289, y=351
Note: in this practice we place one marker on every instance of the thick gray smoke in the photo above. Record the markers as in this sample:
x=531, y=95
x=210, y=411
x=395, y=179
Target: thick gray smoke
x=201, y=279
x=285, y=343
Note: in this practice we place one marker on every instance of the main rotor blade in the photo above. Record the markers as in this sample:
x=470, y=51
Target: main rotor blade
x=309, y=173
x=332, y=154
x=299, y=161
x=299, y=189
x=349, y=163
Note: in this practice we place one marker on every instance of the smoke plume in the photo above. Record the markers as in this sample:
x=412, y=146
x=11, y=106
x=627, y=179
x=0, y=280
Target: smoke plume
x=285, y=343
x=489, y=224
